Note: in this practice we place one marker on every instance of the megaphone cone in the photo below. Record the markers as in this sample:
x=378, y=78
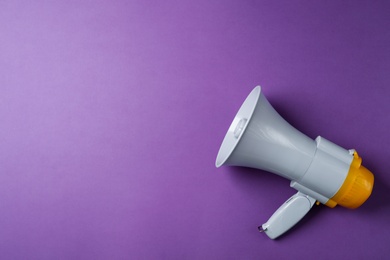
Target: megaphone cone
x=320, y=170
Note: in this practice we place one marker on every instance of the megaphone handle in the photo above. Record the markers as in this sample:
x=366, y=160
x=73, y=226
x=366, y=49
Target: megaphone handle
x=287, y=215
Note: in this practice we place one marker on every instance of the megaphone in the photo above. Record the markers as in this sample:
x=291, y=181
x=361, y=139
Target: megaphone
x=321, y=171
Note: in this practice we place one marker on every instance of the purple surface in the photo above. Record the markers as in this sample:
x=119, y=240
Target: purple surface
x=112, y=113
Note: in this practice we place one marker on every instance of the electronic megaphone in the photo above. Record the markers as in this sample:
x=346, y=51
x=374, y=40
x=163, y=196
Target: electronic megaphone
x=320, y=170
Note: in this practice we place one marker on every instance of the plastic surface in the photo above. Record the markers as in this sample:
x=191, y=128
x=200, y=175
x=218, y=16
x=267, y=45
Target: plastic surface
x=327, y=171
x=356, y=188
x=265, y=140
x=292, y=211
x=260, y=138
x=238, y=126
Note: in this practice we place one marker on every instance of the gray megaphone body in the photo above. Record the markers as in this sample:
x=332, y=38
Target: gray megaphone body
x=320, y=170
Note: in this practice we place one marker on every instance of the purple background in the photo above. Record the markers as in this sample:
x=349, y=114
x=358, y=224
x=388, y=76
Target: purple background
x=112, y=113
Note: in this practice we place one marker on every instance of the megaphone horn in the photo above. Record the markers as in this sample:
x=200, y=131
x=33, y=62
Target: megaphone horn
x=319, y=170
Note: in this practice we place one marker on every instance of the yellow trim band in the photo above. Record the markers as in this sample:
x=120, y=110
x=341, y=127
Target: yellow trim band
x=357, y=186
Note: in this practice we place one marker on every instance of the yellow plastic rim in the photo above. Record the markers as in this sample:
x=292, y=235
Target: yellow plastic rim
x=357, y=186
